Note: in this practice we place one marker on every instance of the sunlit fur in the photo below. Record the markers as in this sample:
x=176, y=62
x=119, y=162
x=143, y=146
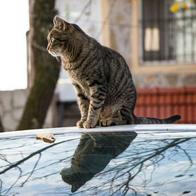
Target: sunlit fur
x=102, y=79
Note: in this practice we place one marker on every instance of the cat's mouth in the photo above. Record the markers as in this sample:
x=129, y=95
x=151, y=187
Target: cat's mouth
x=52, y=52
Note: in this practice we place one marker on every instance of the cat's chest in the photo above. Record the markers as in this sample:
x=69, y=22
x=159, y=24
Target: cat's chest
x=79, y=79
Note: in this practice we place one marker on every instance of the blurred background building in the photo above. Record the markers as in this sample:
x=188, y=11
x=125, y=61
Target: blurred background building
x=158, y=41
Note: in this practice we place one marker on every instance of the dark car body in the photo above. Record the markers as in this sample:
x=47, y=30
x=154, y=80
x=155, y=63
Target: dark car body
x=124, y=160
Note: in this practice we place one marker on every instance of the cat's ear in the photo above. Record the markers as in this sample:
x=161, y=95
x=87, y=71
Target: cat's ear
x=60, y=24
x=75, y=187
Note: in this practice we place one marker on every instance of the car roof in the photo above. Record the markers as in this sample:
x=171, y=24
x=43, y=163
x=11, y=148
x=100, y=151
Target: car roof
x=120, y=160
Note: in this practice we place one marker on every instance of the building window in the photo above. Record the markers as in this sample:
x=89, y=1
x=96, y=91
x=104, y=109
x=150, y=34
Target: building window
x=168, y=31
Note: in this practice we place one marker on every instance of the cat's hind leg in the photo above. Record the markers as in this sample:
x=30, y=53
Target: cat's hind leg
x=127, y=115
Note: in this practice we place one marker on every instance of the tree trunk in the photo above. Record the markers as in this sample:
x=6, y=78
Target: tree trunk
x=1, y=126
x=46, y=69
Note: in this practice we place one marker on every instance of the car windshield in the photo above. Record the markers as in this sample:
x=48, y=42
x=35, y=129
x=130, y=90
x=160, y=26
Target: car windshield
x=99, y=163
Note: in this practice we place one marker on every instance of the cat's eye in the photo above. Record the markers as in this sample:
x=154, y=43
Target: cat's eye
x=52, y=39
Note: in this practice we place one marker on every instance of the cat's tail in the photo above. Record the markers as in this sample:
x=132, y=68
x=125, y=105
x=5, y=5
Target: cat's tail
x=146, y=120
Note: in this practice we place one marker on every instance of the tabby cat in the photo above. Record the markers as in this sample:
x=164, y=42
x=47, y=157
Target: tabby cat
x=104, y=85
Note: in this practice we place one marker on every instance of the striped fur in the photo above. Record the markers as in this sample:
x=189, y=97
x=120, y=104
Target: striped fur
x=104, y=85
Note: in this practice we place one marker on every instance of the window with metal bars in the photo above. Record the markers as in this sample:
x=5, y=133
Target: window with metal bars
x=169, y=31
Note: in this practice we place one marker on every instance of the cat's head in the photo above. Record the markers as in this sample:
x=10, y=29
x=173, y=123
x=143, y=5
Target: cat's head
x=63, y=36
x=75, y=178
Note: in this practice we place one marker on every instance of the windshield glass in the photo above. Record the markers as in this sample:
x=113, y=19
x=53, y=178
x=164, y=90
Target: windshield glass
x=118, y=163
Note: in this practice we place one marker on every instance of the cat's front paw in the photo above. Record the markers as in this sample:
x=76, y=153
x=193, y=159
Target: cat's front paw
x=80, y=123
x=89, y=124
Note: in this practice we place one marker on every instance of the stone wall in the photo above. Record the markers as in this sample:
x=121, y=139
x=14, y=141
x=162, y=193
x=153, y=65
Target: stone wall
x=165, y=80
x=11, y=108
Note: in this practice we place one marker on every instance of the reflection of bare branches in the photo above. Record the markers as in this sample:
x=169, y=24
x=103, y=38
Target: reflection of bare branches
x=31, y=155
x=134, y=163
x=14, y=183
x=32, y=171
x=17, y=179
x=20, y=146
x=28, y=174
x=45, y=176
x=9, y=163
x=187, y=155
x=139, y=162
x=159, y=152
x=49, y=165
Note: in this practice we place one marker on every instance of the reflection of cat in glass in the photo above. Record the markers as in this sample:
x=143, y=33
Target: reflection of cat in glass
x=92, y=155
